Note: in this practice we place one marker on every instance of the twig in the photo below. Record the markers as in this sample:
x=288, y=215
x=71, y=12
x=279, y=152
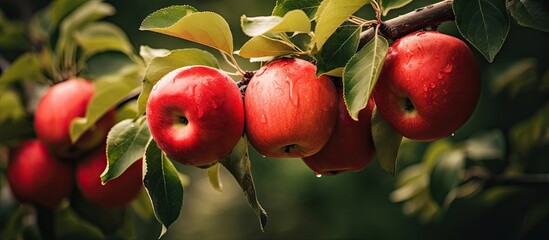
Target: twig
x=428, y=16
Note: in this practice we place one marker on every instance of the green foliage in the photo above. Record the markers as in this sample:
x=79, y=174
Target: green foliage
x=292, y=21
x=266, y=46
x=126, y=144
x=386, y=141
x=484, y=23
x=284, y=6
x=338, y=49
x=361, y=72
x=446, y=176
x=529, y=13
x=25, y=67
x=163, y=186
x=185, y=22
x=388, y=5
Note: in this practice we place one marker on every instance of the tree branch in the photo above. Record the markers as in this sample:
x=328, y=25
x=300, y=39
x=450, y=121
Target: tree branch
x=428, y=16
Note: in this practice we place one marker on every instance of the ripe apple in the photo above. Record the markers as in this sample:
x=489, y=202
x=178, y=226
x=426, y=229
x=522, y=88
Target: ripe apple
x=196, y=115
x=429, y=85
x=289, y=111
x=350, y=148
x=36, y=177
x=61, y=104
x=115, y=193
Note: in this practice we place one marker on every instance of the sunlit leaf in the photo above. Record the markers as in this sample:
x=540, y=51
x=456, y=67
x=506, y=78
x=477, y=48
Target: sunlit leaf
x=386, y=141
x=14, y=124
x=162, y=62
x=484, y=23
x=12, y=35
x=486, y=146
x=238, y=164
x=213, y=177
x=185, y=22
x=307, y=6
x=446, y=176
x=103, y=36
x=388, y=5
x=292, y=21
x=262, y=46
x=361, y=73
x=163, y=185
x=126, y=144
x=530, y=13
x=338, y=49
x=330, y=15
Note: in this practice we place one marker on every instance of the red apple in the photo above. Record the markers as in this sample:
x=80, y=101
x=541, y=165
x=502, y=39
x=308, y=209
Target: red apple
x=115, y=193
x=429, y=85
x=36, y=177
x=289, y=111
x=59, y=106
x=196, y=115
x=350, y=148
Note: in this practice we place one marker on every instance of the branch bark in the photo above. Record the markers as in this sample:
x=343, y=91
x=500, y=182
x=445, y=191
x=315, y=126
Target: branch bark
x=428, y=16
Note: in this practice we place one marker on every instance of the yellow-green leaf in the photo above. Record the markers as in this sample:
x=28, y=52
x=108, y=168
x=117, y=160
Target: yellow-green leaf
x=262, y=46
x=213, y=177
x=293, y=21
x=184, y=22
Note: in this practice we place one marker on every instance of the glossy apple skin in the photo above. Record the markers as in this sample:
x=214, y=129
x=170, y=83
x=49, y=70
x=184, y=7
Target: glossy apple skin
x=115, y=193
x=350, y=148
x=196, y=115
x=439, y=75
x=62, y=103
x=36, y=177
x=289, y=111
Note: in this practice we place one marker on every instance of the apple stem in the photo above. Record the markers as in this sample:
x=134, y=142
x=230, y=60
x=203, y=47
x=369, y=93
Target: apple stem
x=421, y=18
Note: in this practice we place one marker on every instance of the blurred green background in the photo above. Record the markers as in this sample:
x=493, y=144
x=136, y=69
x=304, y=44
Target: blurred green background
x=351, y=205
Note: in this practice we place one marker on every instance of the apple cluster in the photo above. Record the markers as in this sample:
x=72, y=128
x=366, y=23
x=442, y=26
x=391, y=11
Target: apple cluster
x=48, y=169
x=427, y=89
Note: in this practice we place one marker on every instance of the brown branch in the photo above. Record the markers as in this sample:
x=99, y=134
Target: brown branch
x=428, y=16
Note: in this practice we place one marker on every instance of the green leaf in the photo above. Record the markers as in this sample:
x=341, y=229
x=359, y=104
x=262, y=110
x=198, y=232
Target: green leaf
x=330, y=15
x=184, y=22
x=446, y=176
x=307, y=6
x=519, y=77
x=293, y=21
x=161, y=62
x=530, y=132
x=12, y=36
x=530, y=13
x=263, y=46
x=238, y=164
x=213, y=177
x=386, y=141
x=338, y=49
x=14, y=124
x=44, y=22
x=109, y=91
x=163, y=185
x=388, y=5
x=361, y=73
x=25, y=67
x=126, y=144
x=484, y=23
x=102, y=36
x=434, y=150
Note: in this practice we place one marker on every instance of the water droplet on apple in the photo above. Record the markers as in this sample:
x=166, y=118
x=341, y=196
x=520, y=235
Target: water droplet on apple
x=425, y=88
x=318, y=175
x=263, y=118
x=448, y=68
x=453, y=134
x=155, y=87
x=439, y=75
x=263, y=156
x=200, y=113
x=294, y=97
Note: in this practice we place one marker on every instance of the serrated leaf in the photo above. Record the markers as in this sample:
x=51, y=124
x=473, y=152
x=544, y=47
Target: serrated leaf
x=338, y=49
x=386, y=141
x=126, y=144
x=25, y=67
x=164, y=62
x=330, y=15
x=361, y=72
x=109, y=90
x=213, y=177
x=388, y=5
x=184, y=22
x=238, y=164
x=262, y=46
x=292, y=21
x=530, y=13
x=163, y=185
x=446, y=176
x=307, y=6
x=484, y=23
x=102, y=36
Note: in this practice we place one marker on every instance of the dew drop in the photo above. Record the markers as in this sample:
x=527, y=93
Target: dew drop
x=293, y=96
x=155, y=87
x=439, y=75
x=263, y=118
x=433, y=85
x=425, y=88
x=448, y=68
x=318, y=175
x=200, y=113
x=263, y=156
x=453, y=134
